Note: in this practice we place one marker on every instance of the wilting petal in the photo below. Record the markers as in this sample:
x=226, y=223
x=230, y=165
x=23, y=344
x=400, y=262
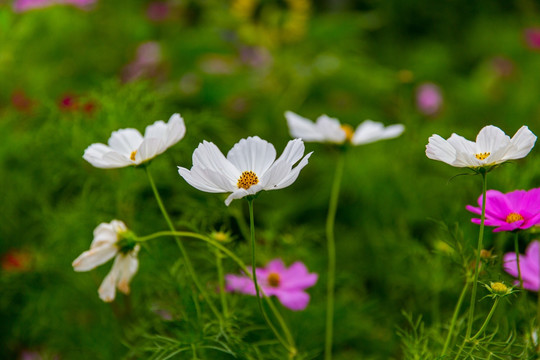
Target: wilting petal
x=128, y=264
x=94, y=257
x=107, y=289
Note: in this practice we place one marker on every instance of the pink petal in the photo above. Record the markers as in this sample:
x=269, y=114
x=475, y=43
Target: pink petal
x=294, y=300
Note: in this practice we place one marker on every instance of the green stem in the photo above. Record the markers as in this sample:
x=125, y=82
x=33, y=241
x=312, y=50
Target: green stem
x=239, y=262
x=221, y=279
x=516, y=247
x=254, y=277
x=477, y=262
x=454, y=318
x=331, y=247
x=488, y=318
x=180, y=245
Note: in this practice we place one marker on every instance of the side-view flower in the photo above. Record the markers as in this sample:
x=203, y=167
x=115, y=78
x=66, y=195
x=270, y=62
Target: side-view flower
x=288, y=284
x=327, y=129
x=528, y=264
x=128, y=147
x=492, y=147
x=518, y=209
x=250, y=166
x=109, y=241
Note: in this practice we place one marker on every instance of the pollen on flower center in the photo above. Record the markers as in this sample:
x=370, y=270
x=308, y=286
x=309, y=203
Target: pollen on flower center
x=349, y=131
x=132, y=156
x=482, y=156
x=273, y=279
x=247, y=179
x=513, y=217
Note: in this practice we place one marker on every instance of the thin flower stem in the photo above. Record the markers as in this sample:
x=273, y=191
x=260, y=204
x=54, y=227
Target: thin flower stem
x=254, y=277
x=187, y=261
x=242, y=266
x=516, y=247
x=221, y=279
x=488, y=318
x=454, y=317
x=331, y=247
x=477, y=262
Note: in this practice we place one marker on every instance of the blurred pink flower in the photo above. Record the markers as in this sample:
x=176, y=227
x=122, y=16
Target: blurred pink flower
x=21, y=101
x=518, y=209
x=429, y=99
x=532, y=37
x=146, y=64
x=288, y=284
x=528, y=265
x=503, y=66
x=25, y=5
x=158, y=10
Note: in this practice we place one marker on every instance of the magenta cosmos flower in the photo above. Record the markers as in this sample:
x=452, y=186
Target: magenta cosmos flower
x=518, y=209
x=288, y=284
x=26, y=5
x=528, y=264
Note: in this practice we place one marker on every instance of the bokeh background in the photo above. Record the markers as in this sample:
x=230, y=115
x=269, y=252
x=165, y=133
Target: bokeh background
x=73, y=72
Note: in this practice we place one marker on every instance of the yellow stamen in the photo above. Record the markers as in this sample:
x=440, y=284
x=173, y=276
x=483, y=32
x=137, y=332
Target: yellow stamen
x=349, y=131
x=247, y=179
x=513, y=217
x=273, y=279
x=132, y=156
x=482, y=156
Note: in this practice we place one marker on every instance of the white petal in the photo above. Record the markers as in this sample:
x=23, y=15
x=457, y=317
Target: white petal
x=293, y=175
x=206, y=180
x=253, y=154
x=522, y=143
x=331, y=129
x=125, y=141
x=176, y=129
x=102, y=156
x=208, y=156
x=105, y=233
x=148, y=150
x=300, y=127
x=157, y=130
x=490, y=139
x=94, y=257
x=128, y=264
x=107, y=290
x=293, y=151
x=371, y=131
x=237, y=194
x=440, y=149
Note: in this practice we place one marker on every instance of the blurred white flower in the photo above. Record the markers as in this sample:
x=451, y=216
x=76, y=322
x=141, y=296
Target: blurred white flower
x=129, y=147
x=250, y=166
x=107, y=244
x=327, y=129
x=492, y=147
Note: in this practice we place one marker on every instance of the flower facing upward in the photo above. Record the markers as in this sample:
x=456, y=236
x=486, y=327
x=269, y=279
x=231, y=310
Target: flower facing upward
x=108, y=243
x=288, y=284
x=327, y=129
x=518, y=209
x=492, y=147
x=528, y=264
x=250, y=166
x=128, y=147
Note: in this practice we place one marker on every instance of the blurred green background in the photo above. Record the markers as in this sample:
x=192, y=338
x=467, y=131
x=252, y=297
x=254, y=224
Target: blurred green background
x=71, y=76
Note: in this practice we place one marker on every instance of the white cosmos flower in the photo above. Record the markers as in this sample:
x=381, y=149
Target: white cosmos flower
x=250, y=166
x=492, y=147
x=128, y=147
x=104, y=247
x=327, y=129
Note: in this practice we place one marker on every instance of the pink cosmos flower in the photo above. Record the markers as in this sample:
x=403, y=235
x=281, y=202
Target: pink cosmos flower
x=528, y=264
x=26, y=5
x=532, y=37
x=518, y=209
x=429, y=99
x=288, y=284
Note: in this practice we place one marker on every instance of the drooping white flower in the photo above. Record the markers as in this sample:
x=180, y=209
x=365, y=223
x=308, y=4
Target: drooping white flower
x=104, y=247
x=327, y=129
x=128, y=147
x=250, y=166
x=492, y=147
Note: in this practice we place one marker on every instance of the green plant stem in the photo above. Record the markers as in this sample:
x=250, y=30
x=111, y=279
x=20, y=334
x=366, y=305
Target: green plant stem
x=454, y=318
x=516, y=247
x=331, y=247
x=183, y=251
x=243, y=268
x=488, y=318
x=477, y=262
x=221, y=279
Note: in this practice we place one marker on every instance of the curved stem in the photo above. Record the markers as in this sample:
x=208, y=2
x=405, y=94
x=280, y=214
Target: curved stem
x=488, y=318
x=331, y=246
x=516, y=247
x=221, y=280
x=187, y=261
x=454, y=318
x=477, y=262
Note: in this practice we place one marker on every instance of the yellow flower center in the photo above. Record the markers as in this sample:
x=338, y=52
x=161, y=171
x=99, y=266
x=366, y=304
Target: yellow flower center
x=132, y=156
x=513, y=217
x=247, y=179
x=499, y=288
x=349, y=131
x=482, y=156
x=273, y=279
